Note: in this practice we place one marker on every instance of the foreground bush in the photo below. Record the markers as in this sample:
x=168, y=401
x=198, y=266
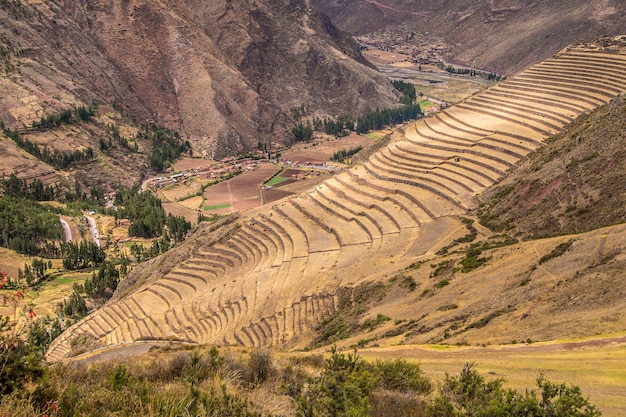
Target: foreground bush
x=205, y=383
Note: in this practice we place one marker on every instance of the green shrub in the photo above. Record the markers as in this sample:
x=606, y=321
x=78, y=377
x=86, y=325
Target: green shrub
x=371, y=324
x=343, y=388
x=556, y=252
x=470, y=394
x=118, y=378
x=259, y=366
x=442, y=283
x=401, y=376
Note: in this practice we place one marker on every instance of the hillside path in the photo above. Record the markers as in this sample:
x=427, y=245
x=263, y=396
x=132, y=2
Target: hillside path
x=67, y=231
x=93, y=227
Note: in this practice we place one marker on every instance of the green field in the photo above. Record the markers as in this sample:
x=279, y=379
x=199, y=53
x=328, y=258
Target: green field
x=276, y=180
x=217, y=207
x=426, y=104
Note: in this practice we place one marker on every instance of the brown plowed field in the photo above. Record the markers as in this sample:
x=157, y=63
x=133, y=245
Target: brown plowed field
x=274, y=194
x=177, y=209
x=241, y=192
x=322, y=151
x=185, y=164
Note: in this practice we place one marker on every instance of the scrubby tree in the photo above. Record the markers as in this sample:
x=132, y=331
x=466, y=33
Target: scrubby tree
x=302, y=132
x=469, y=394
x=342, y=389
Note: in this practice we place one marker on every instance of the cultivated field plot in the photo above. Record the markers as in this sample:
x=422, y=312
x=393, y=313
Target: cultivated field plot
x=297, y=187
x=378, y=57
x=24, y=165
x=44, y=301
x=274, y=194
x=185, y=164
x=183, y=189
x=10, y=261
x=179, y=209
x=239, y=193
x=322, y=151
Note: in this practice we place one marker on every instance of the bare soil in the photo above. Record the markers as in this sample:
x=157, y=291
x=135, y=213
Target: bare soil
x=178, y=209
x=241, y=192
x=274, y=194
x=186, y=164
x=296, y=187
x=322, y=151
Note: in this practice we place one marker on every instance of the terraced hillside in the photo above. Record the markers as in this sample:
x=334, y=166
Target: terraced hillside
x=270, y=275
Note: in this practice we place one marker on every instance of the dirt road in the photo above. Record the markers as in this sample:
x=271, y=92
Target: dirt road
x=93, y=227
x=67, y=232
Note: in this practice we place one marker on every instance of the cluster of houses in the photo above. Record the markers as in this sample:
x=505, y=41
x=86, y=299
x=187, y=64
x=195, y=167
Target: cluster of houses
x=294, y=163
x=418, y=49
x=226, y=167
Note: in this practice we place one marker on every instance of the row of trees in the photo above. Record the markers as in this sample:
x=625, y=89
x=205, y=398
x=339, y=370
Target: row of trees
x=343, y=125
x=35, y=190
x=471, y=72
x=55, y=158
x=66, y=116
x=27, y=228
x=343, y=154
x=86, y=254
x=380, y=118
x=375, y=120
x=409, y=95
x=166, y=145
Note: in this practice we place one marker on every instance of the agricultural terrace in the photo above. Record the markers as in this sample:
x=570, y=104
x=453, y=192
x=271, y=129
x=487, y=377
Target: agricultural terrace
x=278, y=272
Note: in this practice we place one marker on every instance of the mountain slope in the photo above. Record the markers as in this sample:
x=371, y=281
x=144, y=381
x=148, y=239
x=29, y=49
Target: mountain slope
x=506, y=35
x=575, y=185
x=271, y=276
x=223, y=72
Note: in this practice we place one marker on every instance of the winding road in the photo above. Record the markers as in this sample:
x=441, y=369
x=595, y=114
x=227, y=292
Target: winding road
x=67, y=232
x=93, y=227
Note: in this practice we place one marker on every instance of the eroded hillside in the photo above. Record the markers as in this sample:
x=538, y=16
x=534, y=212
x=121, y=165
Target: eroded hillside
x=502, y=35
x=275, y=275
x=222, y=73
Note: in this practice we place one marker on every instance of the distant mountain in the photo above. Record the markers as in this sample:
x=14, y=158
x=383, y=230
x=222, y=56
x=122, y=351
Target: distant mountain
x=507, y=35
x=223, y=73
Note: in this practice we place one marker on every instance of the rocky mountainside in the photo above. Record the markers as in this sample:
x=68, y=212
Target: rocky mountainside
x=223, y=73
x=505, y=35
